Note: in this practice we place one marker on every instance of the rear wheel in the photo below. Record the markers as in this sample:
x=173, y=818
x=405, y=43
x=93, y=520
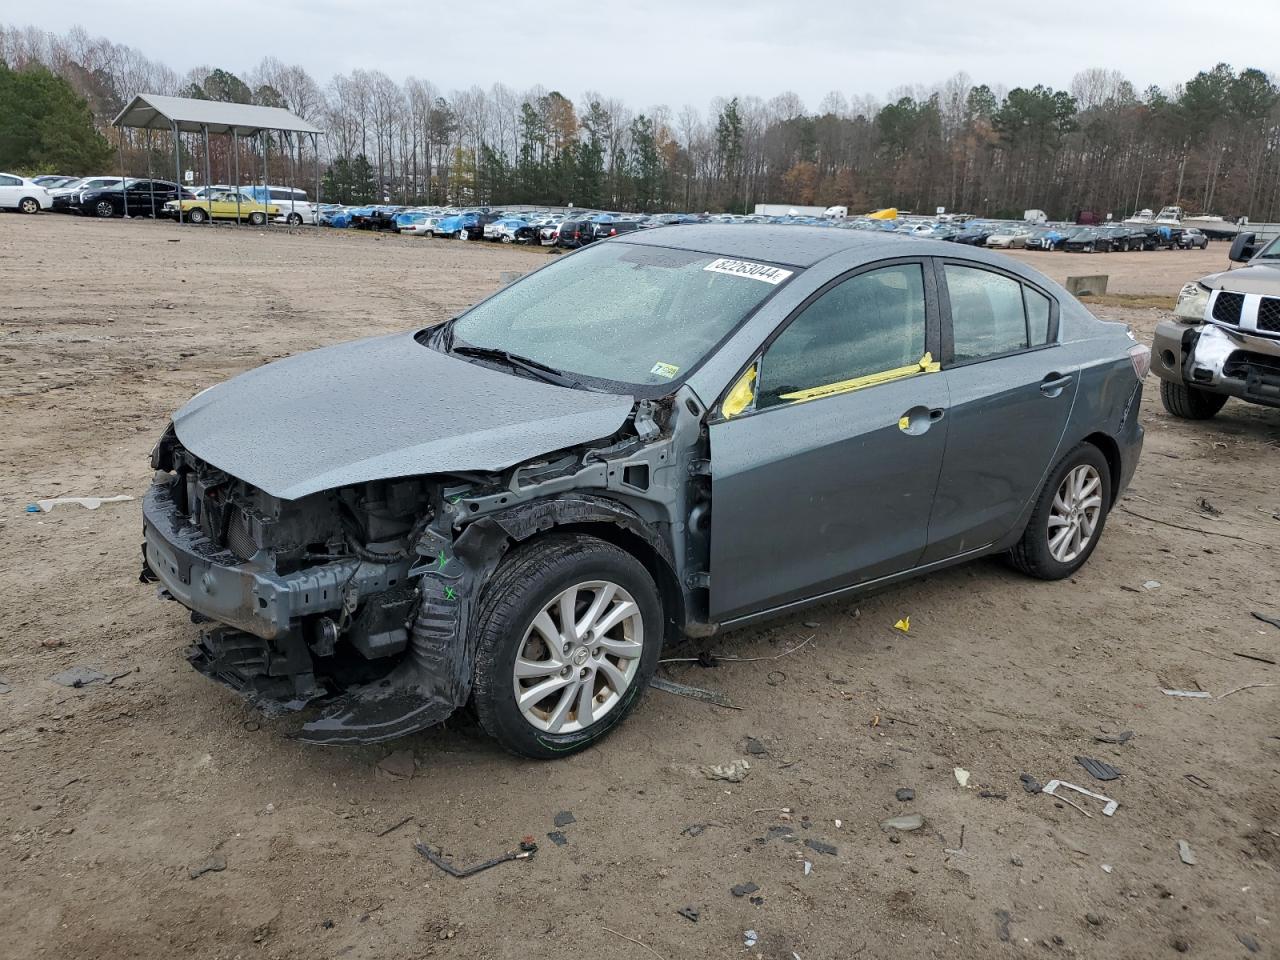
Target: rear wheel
x=196, y=215
x=569, y=631
x=1190, y=403
x=461, y=235
x=1068, y=517
x=29, y=205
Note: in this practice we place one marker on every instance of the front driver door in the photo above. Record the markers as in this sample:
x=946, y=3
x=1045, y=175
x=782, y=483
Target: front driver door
x=825, y=457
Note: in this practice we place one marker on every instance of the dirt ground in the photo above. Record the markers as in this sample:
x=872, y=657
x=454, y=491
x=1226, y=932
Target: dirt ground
x=110, y=793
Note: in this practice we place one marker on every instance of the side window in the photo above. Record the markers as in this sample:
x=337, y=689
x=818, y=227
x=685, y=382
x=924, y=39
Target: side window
x=1037, y=316
x=871, y=323
x=988, y=316
x=6, y=181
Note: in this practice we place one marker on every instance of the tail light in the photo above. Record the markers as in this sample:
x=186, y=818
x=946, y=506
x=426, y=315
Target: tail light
x=1140, y=357
x=613, y=232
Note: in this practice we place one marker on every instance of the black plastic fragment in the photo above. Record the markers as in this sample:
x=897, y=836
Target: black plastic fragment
x=1030, y=783
x=1097, y=769
x=690, y=913
x=1120, y=738
x=564, y=818
x=820, y=847
x=558, y=838
x=742, y=889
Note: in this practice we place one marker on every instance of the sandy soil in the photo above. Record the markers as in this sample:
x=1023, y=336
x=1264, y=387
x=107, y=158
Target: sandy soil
x=110, y=793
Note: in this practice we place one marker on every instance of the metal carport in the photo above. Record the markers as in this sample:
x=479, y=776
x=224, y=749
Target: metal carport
x=150, y=111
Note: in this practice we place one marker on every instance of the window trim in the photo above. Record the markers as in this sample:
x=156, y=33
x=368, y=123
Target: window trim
x=932, y=336
x=947, y=347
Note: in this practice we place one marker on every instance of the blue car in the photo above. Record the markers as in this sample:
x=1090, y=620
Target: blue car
x=460, y=226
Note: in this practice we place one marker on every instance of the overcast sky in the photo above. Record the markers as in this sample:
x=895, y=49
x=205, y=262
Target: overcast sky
x=675, y=52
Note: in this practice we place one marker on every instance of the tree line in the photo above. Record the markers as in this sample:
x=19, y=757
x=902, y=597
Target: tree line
x=1211, y=144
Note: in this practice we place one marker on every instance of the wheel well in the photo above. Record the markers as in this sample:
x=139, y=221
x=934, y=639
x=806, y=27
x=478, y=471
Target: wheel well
x=1111, y=451
x=668, y=586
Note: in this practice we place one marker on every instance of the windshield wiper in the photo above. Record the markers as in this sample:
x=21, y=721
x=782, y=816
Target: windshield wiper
x=536, y=368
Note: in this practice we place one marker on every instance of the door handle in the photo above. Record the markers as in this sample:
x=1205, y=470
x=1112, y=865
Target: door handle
x=917, y=420
x=1054, y=383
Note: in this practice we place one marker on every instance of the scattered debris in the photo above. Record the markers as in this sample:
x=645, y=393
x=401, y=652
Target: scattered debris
x=780, y=830
x=962, y=776
x=808, y=868
x=749, y=938
x=1107, y=868
x=904, y=625
x=215, y=864
x=819, y=847
x=558, y=838
x=839, y=823
x=904, y=794
x=742, y=889
x=1273, y=619
x=1193, y=694
x=394, y=827
x=1120, y=738
x=992, y=795
x=775, y=678
x=564, y=818
x=693, y=693
x=327, y=924
x=1247, y=686
x=904, y=822
x=1186, y=854
x=1248, y=942
x=1109, y=806
x=1093, y=919
x=639, y=943
x=89, y=503
x=398, y=763
x=710, y=659
x=1005, y=918
x=690, y=913
x=1030, y=783
x=4, y=685
x=78, y=677
x=1196, y=781
x=1207, y=508
x=526, y=850
x=1150, y=584
x=1016, y=861
x=734, y=772
x=694, y=830
x=1253, y=656
x=1098, y=769
x=755, y=747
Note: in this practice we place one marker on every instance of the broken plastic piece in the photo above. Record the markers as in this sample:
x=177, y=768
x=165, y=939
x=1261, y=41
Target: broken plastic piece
x=1194, y=694
x=693, y=693
x=906, y=821
x=734, y=772
x=89, y=503
x=1109, y=806
x=962, y=776
x=742, y=889
x=741, y=396
x=1097, y=769
x=904, y=625
x=1186, y=854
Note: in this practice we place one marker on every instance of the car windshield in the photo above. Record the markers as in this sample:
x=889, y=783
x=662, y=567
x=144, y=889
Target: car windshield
x=626, y=313
x=1271, y=251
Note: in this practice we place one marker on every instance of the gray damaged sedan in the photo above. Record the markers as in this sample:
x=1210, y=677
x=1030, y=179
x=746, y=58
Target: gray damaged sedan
x=666, y=434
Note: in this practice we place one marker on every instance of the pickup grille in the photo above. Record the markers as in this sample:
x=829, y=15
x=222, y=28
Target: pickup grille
x=1269, y=315
x=1227, y=307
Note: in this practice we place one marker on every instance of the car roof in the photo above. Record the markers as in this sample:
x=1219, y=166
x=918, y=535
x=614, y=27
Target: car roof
x=796, y=246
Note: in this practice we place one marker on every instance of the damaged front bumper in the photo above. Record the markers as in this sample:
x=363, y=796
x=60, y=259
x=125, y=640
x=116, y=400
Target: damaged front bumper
x=1213, y=358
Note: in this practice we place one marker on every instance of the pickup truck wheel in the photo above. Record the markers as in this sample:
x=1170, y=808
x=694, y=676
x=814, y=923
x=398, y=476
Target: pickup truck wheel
x=568, y=633
x=1068, y=517
x=1190, y=403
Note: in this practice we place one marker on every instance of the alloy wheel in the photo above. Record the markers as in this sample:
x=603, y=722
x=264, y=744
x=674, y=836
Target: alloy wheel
x=579, y=657
x=1074, y=515
x=29, y=206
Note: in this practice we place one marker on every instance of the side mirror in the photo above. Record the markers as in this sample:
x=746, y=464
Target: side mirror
x=1243, y=247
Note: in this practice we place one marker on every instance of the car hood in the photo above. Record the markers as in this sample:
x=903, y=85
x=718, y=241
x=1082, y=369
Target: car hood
x=1256, y=278
x=381, y=408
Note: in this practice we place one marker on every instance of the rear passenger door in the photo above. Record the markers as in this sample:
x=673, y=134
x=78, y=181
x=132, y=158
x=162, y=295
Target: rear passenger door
x=1011, y=390
x=10, y=187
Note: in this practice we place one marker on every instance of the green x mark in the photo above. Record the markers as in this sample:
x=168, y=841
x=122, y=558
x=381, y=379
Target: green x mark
x=449, y=594
x=442, y=559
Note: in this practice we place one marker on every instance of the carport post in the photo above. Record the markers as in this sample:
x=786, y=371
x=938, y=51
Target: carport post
x=265, y=192
x=235, y=146
x=208, y=176
x=124, y=192
x=315, y=144
x=177, y=166
x=293, y=175
x=150, y=179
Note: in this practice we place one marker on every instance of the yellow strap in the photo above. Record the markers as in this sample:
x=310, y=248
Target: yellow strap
x=925, y=364
x=740, y=397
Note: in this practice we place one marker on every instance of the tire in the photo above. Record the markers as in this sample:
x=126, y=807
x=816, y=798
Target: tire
x=461, y=235
x=1036, y=554
x=257, y=218
x=29, y=205
x=293, y=219
x=506, y=238
x=104, y=208
x=1190, y=403
x=196, y=215
x=528, y=586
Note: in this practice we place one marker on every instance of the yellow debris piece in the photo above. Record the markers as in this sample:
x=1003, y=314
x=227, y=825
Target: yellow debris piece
x=925, y=364
x=741, y=396
x=888, y=213
x=904, y=625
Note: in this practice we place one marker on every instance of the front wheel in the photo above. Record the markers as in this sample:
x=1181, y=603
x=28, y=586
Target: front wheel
x=257, y=218
x=569, y=631
x=1068, y=517
x=461, y=235
x=294, y=219
x=196, y=215
x=104, y=208
x=1190, y=403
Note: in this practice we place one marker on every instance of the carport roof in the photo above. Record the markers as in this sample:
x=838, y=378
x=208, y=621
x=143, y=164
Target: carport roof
x=154, y=112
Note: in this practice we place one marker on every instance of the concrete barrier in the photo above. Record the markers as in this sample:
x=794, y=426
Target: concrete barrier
x=1094, y=285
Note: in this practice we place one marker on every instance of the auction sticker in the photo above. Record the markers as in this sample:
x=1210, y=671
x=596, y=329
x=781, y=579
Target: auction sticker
x=665, y=370
x=745, y=268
